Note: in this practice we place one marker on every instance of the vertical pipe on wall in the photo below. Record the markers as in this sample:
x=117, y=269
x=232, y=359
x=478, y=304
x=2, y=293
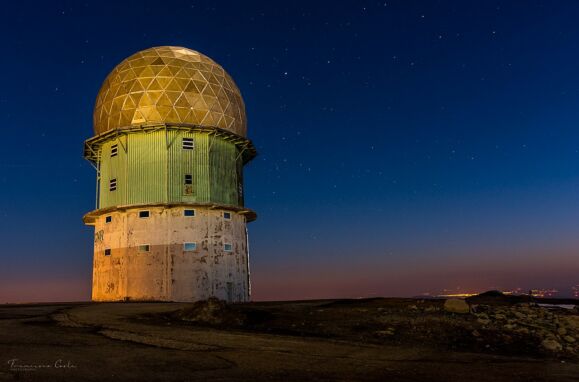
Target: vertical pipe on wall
x=247, y=261
x=98, y=182
x=167, y=177
x=126, y=159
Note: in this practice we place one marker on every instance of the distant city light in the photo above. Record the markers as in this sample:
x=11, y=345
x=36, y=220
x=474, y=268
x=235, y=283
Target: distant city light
x=536, y=292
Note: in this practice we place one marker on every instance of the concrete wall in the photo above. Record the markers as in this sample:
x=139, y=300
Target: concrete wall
x=167, y=272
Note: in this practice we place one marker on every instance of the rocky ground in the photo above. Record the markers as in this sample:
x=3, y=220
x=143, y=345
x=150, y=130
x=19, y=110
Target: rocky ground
x=548, y=331
x=485, y=339
x=497, y=327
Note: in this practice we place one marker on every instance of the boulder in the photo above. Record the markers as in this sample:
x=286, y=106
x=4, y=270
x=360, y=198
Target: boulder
x=552, y=345
x=455, y=305
x=213, y=312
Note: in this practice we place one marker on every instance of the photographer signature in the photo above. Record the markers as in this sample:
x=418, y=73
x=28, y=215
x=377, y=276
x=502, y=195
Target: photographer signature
x=16, y=364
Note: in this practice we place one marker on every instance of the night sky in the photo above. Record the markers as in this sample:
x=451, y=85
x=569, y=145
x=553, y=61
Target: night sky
x=404, y=147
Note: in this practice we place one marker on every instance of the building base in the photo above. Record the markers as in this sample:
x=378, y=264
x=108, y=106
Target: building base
x=178, y=253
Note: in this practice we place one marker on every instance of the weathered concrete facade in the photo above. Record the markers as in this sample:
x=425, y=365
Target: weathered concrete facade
x=169, y=149
x=145, y=258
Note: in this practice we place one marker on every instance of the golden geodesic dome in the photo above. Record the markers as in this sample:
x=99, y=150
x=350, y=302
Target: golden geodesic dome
x=169, y=84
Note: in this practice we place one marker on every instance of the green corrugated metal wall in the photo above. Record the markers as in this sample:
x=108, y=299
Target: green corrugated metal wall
x=224, y=172
x=149, y=172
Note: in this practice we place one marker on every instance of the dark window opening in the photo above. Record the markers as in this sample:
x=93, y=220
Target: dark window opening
x=188, y=144
x=227, y=215
x=144, y=248
x=107, y=252
x=114, y=150
x=108, y=219
x=113, y=184
x=189, y=213
x=188, y=179
x=143, y=214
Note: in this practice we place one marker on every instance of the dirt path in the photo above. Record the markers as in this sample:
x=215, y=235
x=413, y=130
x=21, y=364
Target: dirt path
x=99, y=342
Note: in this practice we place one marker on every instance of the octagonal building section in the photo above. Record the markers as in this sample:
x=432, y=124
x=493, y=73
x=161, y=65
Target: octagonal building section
x=171, y=254
x=170, y=221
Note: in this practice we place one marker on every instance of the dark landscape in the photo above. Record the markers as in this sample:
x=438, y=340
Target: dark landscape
x=492, y=338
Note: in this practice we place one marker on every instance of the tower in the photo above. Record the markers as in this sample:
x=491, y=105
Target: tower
x=169, y=149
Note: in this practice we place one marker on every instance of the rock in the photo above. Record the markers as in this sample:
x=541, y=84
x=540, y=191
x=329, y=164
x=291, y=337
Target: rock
x=385, y=333
x=483, y=321
x=454, y=305
x=572, y=322
x=476, y=333
x=210, y=312
x=552, y=345
x=524, y=306
x=500, y=316
x=569, y=339
x=522, y=330
x=562, y=331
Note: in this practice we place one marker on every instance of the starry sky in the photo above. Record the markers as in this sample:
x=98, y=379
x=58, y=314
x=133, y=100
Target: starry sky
x=405, y=147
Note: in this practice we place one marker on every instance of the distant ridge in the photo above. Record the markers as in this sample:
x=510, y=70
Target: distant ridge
x=495, y=297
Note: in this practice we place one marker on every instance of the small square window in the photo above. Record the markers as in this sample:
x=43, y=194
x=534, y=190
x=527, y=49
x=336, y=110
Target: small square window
x=113, y=184
x=108, y=219
x=144, y=248
x=188, y=144
x=227, y=215
x=107, y=252
x=188, y=179
x=189, y=213
x=114, y=150
x=227, y=247
x=144, y=214
x=188, y=247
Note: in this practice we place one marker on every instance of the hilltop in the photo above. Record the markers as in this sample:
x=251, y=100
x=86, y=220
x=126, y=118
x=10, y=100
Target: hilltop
x=344, y=340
